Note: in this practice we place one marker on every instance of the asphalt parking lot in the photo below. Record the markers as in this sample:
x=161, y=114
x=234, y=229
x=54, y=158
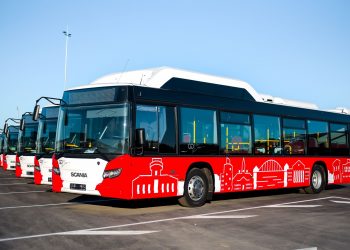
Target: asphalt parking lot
x=32, y=217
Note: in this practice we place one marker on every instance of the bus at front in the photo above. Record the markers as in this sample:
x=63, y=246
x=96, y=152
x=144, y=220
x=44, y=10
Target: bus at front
x=92, y=132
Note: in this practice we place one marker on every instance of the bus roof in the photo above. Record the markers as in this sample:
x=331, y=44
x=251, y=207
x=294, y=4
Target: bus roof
x=162, y=76
x=158, y=77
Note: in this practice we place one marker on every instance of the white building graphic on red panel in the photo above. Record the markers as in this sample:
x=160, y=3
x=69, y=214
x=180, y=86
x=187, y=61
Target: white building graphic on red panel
x=337, y=171
x=243, y=180
x=226, y=177
x=298, y=173
x=270, y=175
x=346, y=171
x=155, y=184
x=341, y=172
x=239, y=179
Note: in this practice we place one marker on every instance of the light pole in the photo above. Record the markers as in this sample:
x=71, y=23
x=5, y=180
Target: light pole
x=67, y=34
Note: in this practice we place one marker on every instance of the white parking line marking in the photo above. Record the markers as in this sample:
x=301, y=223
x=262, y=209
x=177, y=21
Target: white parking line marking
x=18, y=183
x=220, y=216
x=162, y=220
x=342, y=198
x=344, y=202
x=23, y=192
x=55, y=204
x=294, y=206
x=10, y=179
x=86, y=232
x=309, y=248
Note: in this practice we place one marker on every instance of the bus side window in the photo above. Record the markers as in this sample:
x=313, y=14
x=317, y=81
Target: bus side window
x=159, y=125
x=198, y=132
x=318, y=143
x=294, y=137
x=339, y=139
x=267, y=135
x=236, y=135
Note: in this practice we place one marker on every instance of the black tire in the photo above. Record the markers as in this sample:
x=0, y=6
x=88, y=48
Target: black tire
x=195, y=189
x=317, y=180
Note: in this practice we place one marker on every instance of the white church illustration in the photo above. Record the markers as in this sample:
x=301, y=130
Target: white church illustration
x=155, y=184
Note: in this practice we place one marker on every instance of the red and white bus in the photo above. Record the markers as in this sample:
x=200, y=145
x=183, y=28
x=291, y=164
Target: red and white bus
x=26, y=147
x=166, y=132
x=2, y=145
x=10, y=148
x=45, y=145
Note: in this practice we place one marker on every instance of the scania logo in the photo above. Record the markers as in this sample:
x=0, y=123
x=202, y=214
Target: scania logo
x=76, y=174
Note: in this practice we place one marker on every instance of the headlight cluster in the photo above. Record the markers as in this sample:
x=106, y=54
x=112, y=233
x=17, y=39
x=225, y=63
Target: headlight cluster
x=111, y=173
x=56, y=171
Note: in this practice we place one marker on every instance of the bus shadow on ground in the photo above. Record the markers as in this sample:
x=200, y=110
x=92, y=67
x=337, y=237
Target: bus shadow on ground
x=132, y=204
x=159, y=202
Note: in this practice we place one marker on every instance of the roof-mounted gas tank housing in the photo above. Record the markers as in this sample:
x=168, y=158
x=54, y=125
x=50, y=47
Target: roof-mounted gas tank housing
x=182, y=81
x=191, y=82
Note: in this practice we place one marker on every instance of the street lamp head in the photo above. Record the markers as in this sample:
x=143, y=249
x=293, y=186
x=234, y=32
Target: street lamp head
x=67, y=34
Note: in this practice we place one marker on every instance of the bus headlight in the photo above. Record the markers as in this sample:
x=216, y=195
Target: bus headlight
x=111, y=173
x=37, y=168
x=56, y=171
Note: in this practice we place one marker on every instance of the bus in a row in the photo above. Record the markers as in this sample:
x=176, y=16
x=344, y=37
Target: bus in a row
x=28, y=148
x=165, y=132
x=45, y=145
x=9, y=150
x=2, y=146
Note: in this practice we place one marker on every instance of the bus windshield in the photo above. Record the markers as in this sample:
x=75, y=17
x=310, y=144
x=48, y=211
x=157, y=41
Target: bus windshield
x=11, y=146
x=27, y=138
x=2, y=143
x=46, y=136
x=98, y=129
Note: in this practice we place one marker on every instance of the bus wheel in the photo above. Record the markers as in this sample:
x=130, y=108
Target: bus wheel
x=195, y=189
x=317, y=182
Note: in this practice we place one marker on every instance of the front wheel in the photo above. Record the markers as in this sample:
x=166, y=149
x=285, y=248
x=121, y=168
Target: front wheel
x=195, y=189
x=317, y=182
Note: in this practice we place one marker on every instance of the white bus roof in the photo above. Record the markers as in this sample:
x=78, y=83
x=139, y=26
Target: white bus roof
x=157, y=77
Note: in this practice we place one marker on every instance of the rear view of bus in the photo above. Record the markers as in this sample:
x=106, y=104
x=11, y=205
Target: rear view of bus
x=10, y=148
x=26, y=147
x=45, y=145
x=92, y=130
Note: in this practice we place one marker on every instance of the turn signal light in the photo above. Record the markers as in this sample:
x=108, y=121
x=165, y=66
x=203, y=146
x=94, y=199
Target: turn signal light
x=111, y=173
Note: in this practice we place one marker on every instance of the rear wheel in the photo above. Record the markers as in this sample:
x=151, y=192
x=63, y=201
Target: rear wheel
x=317, y=181
x=195, y=189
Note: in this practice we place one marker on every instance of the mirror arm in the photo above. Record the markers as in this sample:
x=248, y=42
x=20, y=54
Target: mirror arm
x=51, y=100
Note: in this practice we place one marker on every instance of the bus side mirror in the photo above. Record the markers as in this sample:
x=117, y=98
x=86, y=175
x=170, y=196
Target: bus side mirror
x=7, y=133
x=140, y=137
x=36, y=112
x=21, y=125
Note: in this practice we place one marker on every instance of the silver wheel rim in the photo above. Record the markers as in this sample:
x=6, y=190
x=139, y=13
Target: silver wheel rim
x=196, y=188
x=316, y=179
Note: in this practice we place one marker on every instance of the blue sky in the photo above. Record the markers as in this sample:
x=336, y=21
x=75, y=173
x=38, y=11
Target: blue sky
x=293, y=49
